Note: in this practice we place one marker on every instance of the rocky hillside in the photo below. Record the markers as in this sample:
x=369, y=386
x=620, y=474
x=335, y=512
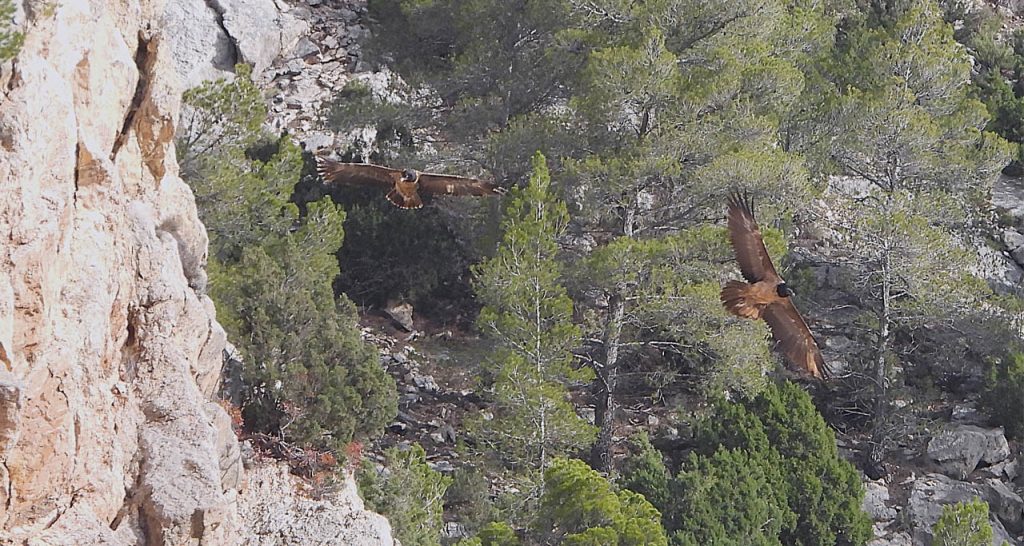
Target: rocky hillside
x=110, y=352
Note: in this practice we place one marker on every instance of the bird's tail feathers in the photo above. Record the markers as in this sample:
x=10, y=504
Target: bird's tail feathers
x=734, y=299
x=403, y=202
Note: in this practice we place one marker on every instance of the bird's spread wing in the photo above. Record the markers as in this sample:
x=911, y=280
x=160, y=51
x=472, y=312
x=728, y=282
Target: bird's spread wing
x=793, y=338
x=444, y=184
x=361, y=174
x=751, y=254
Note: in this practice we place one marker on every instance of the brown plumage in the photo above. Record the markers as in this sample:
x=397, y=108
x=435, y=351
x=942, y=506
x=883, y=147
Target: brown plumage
x=404, y=186
x=765, y=294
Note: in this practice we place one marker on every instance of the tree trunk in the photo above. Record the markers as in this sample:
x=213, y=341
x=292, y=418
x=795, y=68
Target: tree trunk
x=607, y=372
x=874, y=468
x=600, y=455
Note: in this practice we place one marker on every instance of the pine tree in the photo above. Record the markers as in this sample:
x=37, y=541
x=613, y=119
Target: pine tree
x=728, y=498
x=529, y=314
x=900, y=119
x=793, y=472
x=581, y=507
x=666, y=140
x=645, y=472
x=1003, y=395
x=782, y=428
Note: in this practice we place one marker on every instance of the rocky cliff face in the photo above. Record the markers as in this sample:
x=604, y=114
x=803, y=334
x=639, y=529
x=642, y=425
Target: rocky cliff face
x=109, y=349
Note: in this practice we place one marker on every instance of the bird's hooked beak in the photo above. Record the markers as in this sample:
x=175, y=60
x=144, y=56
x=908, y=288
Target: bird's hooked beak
x=409, y=175
x=784, y=291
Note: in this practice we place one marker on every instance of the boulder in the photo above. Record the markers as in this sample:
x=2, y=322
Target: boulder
x=1006, y=470
x=967, y=413
x=931, y=492
x=425, y=383
x=1008, y=192
x=958, y=449
x=401, y=313
x=1012, y=239
x=894, y=539
x=202, y=48
x=260, y=31
x=876, y=499
x=1004, y=503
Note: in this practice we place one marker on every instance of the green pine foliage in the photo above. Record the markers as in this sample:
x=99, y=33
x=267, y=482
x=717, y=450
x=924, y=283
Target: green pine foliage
x=768, y=459
x=580, y=507
x=728, y=498
x=996, y=75
x=645, y=472
x=10, y=39
x=307, y=375
x=782, y=427
x=409, y=493
x=498, y=534
x=963, y=524
x=1003, y=395
x=219, y=119
x=528, y=312
x=894, y=108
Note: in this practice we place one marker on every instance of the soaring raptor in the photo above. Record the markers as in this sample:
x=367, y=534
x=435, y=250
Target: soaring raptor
x=404, y=186
x=765, y=294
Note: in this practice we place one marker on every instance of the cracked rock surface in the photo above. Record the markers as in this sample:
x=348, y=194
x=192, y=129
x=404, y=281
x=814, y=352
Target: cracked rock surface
x=110, y=351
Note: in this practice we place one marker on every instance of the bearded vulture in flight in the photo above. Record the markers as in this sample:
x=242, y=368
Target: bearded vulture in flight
x=765, y=294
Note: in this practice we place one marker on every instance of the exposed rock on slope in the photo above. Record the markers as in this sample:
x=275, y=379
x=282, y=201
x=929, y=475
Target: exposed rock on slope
x=109, y=348
x=273, y=519
x=111, y=345
x=959, y=449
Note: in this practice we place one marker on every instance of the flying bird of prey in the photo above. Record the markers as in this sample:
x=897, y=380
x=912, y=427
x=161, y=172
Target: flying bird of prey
x=404, y=186
x=765, y=294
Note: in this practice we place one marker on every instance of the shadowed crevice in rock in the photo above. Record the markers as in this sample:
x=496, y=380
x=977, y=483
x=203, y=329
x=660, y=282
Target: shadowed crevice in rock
x=235, y=55
x=145, y=60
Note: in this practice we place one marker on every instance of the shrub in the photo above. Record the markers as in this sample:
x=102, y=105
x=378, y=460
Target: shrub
x=10, y=40
x=963, y=524
x=768, y=459
x=308, y=377
x=408, y=492
x=580, y=507
x=728, y=498
x=645, y=472
x=1003, y=396
x=782, y=427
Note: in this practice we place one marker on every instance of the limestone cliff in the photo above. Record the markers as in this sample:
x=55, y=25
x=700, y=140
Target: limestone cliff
x=109, y=349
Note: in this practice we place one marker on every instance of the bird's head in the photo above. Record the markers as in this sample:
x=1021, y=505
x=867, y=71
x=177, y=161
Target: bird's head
x=409, y=175
x=783, y=291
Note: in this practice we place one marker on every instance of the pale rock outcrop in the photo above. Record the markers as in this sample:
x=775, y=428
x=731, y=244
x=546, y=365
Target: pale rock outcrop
x=958, y=449
x=109, y=348
x=210, y=36
x=876, y=502
x=259, y=29
x=203, y=49
x=931, y=492
x=895, y=539
x=335, y=518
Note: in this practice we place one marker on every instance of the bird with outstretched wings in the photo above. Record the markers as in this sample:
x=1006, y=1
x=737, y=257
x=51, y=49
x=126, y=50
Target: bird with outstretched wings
x=404, y=185
x=765, y=294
